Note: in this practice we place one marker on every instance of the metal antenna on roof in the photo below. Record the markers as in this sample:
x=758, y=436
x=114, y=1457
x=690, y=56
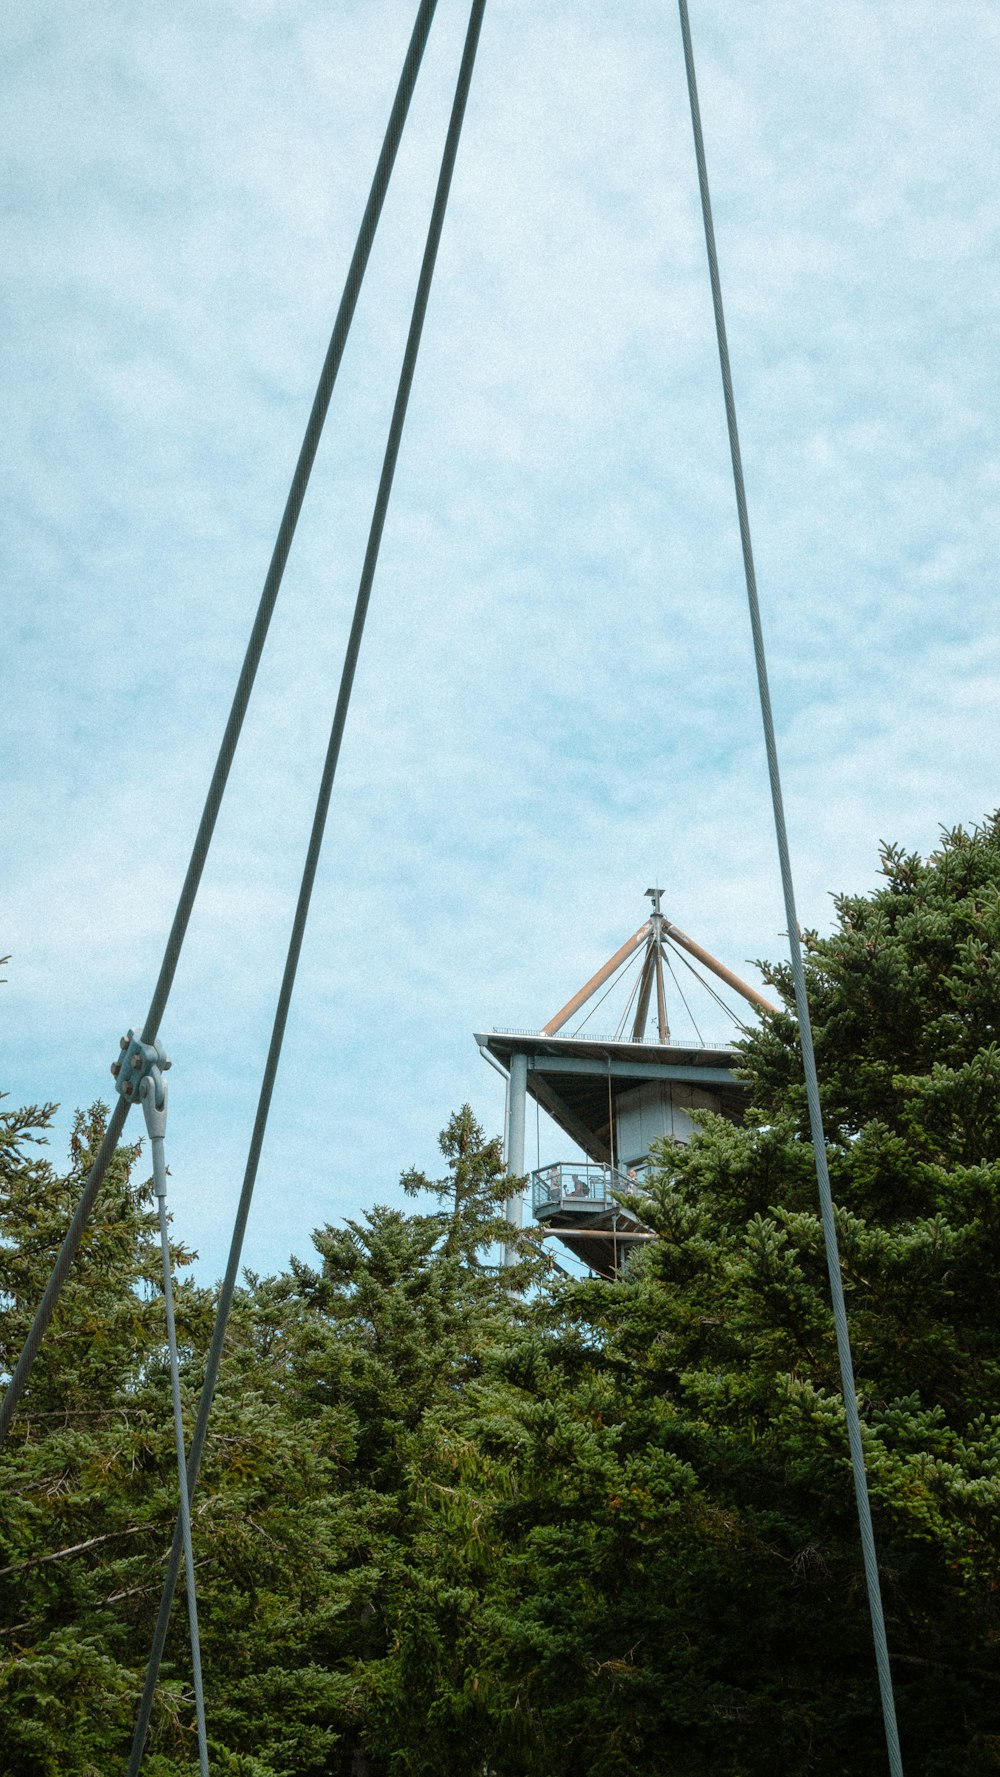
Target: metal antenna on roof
x=655, y=957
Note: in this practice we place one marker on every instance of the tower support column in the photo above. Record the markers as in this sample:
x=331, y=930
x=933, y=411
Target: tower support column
x=516, y=1102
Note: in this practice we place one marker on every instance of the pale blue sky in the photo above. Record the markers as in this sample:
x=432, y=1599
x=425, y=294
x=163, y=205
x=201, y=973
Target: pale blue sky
x=555, y=702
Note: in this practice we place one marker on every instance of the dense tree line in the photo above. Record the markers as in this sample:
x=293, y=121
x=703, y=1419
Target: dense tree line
x=454, y=1517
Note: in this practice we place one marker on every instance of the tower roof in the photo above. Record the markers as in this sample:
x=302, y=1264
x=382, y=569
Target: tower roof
x=578, y=1079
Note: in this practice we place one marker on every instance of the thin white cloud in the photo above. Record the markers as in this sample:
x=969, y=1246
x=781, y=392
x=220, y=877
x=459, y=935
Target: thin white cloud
x=555, y=701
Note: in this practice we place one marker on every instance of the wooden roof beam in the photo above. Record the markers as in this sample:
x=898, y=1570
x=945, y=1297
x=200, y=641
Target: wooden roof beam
x=590, y=987
x=712, y=962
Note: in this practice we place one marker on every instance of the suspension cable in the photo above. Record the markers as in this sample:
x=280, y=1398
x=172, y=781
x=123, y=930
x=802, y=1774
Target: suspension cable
x=154, y=1103
x=798, y=972
x=312, y=856
x=227, y=749
x=684, y=1003
x=619, y=975
x=622, y=1025
x=702, y=982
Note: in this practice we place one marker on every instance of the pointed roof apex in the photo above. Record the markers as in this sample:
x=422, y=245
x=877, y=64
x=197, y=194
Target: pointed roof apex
x=653, y=932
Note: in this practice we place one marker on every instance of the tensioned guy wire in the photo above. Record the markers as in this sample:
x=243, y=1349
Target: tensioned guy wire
x=623, y=1022
x=618, y=976
x=154, y=1104
x=313, y=853
x=798, y=973
x=227, y=749
x=666, y=957
x=702, y=981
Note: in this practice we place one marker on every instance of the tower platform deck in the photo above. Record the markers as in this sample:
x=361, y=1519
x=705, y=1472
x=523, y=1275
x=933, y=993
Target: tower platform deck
x=588, y=1208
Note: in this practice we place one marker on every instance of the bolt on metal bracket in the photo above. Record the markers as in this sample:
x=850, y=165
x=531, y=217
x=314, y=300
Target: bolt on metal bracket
x=137, y=1061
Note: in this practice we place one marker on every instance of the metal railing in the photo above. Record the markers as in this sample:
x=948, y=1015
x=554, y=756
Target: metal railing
x=602, y=1036
x=578, y=1184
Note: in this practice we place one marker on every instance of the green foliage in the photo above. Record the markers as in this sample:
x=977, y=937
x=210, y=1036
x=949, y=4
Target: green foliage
x=464, y=1516
x=666, y=1574
x=88, y=1495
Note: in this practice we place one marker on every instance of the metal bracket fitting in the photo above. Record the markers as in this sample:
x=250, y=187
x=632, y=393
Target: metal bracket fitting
x=137, y=1061
x=153, y=1095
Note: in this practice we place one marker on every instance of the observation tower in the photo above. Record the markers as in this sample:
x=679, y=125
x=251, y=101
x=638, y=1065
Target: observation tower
x=614, y=1096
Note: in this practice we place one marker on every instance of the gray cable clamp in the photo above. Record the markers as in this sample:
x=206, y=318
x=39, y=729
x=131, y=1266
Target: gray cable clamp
x=136, y=1063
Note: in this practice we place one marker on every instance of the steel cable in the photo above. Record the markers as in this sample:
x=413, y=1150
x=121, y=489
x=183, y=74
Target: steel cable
x=709, y=989
x=154, y=1104
x=227, y=749
x=617, y=977
x=313, y=854
x=828, y=1213
x=680, y=990
x=622, y=1024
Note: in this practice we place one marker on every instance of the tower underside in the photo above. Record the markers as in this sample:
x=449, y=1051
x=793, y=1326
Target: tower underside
x=613, y=1100
x=616, y=1097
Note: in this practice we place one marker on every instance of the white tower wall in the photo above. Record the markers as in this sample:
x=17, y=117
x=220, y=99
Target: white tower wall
x=655, y=1111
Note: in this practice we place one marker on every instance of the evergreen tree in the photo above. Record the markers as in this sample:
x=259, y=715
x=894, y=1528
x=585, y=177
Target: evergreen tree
x=88, y=1498
x=415, y=1307
x=456, y=1513
x=682, y=1589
